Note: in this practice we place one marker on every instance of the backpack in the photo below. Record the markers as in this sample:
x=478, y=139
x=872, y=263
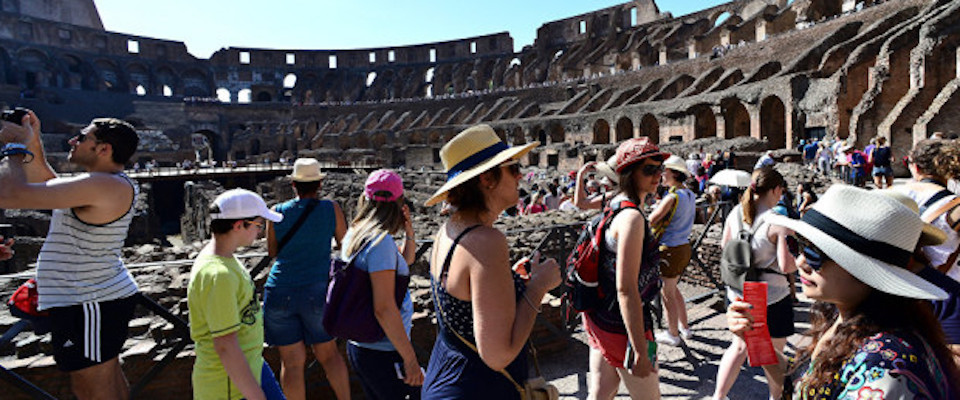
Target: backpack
x=589, y=259
x=23, y=304
x=736, y=258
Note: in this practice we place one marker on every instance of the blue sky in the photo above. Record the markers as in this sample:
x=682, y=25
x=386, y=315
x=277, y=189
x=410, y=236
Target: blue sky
x=208, y=25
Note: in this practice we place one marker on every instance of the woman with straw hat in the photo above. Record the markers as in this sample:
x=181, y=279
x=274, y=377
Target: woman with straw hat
x=873, y=334
x=620, y=332
x=673, y=219
x=581, y=198
x=485, y=311
x=298, y=282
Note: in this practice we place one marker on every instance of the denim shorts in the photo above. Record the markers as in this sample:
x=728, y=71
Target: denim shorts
x=882, y=171
x=294, y=314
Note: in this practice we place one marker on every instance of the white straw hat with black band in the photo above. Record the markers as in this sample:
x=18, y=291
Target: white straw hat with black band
x=870, y=235
x=473, y=152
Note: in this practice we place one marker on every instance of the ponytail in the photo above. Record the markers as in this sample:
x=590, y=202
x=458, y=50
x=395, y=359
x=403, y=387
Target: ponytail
x=763, y=180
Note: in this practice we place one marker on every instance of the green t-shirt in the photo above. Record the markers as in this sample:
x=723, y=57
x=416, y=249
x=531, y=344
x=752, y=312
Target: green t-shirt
x=221, y=300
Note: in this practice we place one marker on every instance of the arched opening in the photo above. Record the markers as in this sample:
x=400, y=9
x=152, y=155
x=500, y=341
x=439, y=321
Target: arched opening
x=263, y=97
x=223, y=94
x=517, y=136
x=773, y=122
x=255, y=147
x=722, y=18
x=705, y=124
x=428, y=92
x=244, y=96
x=515, y=62
x=624, y=129
x=168, y=92
x=736, y=119
x=206, y=145
x=140, y=90
x=542, y=136
x=290, y=81
x=557, y=133
x=601, y=132
x=196, y=84
x=428, y=77
x=650, y=128
x=371, y=77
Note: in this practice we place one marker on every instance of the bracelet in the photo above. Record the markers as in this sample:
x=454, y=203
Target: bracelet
x=16, y=149
x=530, y=302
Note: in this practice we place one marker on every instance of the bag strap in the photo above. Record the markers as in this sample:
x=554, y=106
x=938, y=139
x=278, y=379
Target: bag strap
x=930, y=217
x=932, y=200
x=296, y=226
x=443, y=315
x=661, y=227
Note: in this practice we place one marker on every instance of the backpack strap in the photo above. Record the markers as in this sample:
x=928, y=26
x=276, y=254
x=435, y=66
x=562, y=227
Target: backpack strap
x=296, y=226
x=446, y=261
x=933, y=200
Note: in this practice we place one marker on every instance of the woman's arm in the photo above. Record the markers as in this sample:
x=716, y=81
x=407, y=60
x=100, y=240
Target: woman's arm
x=502, y=323
x=341, y=228
x=388, y=315
x=579, y=192
x=662, y=209
x=778, y=235
x=409, y=242
x=628, y=228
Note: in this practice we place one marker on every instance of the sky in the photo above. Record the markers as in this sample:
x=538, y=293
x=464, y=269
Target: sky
x=209, y=25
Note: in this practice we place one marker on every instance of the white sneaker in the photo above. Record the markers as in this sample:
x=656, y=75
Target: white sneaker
x=666, y=338
x=686, y=333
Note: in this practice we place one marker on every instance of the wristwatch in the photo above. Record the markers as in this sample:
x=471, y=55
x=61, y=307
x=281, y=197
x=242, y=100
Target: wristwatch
x=12, y=149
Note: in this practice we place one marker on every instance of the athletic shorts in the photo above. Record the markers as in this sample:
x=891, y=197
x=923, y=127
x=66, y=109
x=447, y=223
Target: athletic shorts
x=89, y=334
x=613, y=345
x=780, y=318
x=295, y=314
x=673, y=260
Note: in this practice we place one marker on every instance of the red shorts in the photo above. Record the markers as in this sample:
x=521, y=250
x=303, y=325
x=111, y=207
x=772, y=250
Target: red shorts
x=613, y=346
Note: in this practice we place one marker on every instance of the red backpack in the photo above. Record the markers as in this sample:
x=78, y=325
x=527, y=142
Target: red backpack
x=23, y=304
x=583, y=265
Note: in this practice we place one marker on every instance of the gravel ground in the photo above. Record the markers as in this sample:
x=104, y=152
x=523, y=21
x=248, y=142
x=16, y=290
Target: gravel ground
x=679, y=379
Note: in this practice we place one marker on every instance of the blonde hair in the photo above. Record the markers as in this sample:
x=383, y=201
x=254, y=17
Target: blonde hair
x=374, y=220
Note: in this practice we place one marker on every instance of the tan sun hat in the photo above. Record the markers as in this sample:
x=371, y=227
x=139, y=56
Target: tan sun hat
x=930, y=235
x=605, y=168
x=471, y=153
x=306, y=170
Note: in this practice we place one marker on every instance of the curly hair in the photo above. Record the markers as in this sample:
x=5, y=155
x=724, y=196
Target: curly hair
x=879, y=312
x=940, y=158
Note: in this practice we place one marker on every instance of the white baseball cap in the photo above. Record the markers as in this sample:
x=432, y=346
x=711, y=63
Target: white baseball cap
x=241, y=204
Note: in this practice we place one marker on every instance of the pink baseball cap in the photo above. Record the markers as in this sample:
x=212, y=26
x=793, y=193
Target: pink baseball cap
x=382, y=182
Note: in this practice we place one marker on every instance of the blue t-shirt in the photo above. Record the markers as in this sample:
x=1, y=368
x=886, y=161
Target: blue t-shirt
x=810, y=150
x=384, y=256
x=305, y=259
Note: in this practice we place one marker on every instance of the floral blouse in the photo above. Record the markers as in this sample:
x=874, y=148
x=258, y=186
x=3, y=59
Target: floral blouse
x=887, y=366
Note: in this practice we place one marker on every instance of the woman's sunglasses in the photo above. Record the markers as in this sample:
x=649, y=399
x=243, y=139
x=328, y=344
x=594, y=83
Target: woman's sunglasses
x=814, y=256
x=512, y=166
x=651, y=169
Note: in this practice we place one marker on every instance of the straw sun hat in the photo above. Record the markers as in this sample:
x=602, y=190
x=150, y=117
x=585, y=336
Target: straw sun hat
x=870, y=235
x=306, y=170
x=471, y=153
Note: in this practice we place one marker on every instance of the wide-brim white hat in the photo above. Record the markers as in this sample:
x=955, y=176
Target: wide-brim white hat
x=605, y=168
x=473, y=152
x=870, y=235
x=676, y=163
x=306, y=170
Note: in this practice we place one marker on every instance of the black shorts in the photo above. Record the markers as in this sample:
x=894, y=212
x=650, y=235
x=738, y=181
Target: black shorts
x=780, y=318
x=88, y=334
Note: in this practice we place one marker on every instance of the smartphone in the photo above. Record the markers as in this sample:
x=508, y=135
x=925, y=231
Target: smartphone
x=629, y=360
x=399, y=368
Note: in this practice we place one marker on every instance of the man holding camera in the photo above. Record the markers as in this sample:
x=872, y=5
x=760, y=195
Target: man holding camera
x=81, y=278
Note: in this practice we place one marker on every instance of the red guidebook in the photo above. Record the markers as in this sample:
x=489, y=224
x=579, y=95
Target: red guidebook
x=759, y=345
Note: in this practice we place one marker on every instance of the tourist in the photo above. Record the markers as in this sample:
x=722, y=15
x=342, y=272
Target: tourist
x=857, y=165
x=866, y=300
x=881, y=157
x=566, y=204
x=693, y=162
x=551, y=200
x=810, y=153
x=766, y=160
x=824, y=158
x=6, y=249
x=536, y=204
x=769, y=245
x=673, y=219
x=381, y=214
x=625, y=320
x=226, y=323
x=91, y=216
x=485, y=311
x=806, y=197
x=297, y=285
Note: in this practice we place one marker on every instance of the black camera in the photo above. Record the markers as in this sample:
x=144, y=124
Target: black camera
x=15, y=115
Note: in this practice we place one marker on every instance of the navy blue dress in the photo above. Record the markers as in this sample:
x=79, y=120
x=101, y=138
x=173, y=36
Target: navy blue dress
x=456, y=371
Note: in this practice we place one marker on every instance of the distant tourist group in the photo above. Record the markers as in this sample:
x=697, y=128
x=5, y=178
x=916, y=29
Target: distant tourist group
x=879, y=265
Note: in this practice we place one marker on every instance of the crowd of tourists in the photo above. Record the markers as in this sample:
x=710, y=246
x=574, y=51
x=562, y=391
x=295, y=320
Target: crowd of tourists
x=879, y=265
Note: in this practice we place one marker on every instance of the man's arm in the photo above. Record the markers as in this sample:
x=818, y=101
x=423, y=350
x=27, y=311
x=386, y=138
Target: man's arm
x=234, y=362
x=28, y=133
x=85, y=190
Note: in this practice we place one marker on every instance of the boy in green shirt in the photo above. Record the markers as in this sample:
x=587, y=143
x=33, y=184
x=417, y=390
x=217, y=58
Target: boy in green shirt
x=226, y=322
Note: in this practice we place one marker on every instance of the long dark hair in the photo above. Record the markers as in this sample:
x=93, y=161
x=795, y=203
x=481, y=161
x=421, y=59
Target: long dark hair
x=763, y=180
x=628, y=186
x=879, y=312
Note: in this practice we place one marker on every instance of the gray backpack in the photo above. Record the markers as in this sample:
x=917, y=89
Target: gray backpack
x=736, y=259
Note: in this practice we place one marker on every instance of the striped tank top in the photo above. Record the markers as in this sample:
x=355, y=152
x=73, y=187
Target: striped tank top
x=81, y=262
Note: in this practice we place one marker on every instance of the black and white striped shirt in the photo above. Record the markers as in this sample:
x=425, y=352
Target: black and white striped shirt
x=81, y=262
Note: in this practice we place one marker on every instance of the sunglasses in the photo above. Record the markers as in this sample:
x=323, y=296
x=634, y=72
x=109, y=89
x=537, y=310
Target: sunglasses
x=814, y=256
x=651, y=170
x=83, y=137
x=258, y=224
x=513, y=167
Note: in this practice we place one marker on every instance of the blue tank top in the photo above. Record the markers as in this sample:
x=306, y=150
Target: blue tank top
x=305, y=259
x=678, y=231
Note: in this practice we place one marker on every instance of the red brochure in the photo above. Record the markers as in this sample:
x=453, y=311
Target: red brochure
x=759, y=345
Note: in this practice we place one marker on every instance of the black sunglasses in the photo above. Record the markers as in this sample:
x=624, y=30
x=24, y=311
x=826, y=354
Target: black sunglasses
x=82, y=136
x=512, y=166
x=814, y=256
x=651, y=169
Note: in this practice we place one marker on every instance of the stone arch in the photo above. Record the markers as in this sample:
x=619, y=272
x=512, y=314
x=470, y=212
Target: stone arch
x=361, y=141
x=601, y=132
x=245, y=96
x=206, y=144
x=79, y=73
x=196, y=83
x=517, y=136
x=416, y=138
x=557, y=133
x=624, y=129
x=139, y=75
x=705, y=123
x=224, y=95
x=110, y=77
x=378, y=141
x=264, y=96
x=165, y=78
x=736, y=119
x=650, y=127
x=773, y=122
